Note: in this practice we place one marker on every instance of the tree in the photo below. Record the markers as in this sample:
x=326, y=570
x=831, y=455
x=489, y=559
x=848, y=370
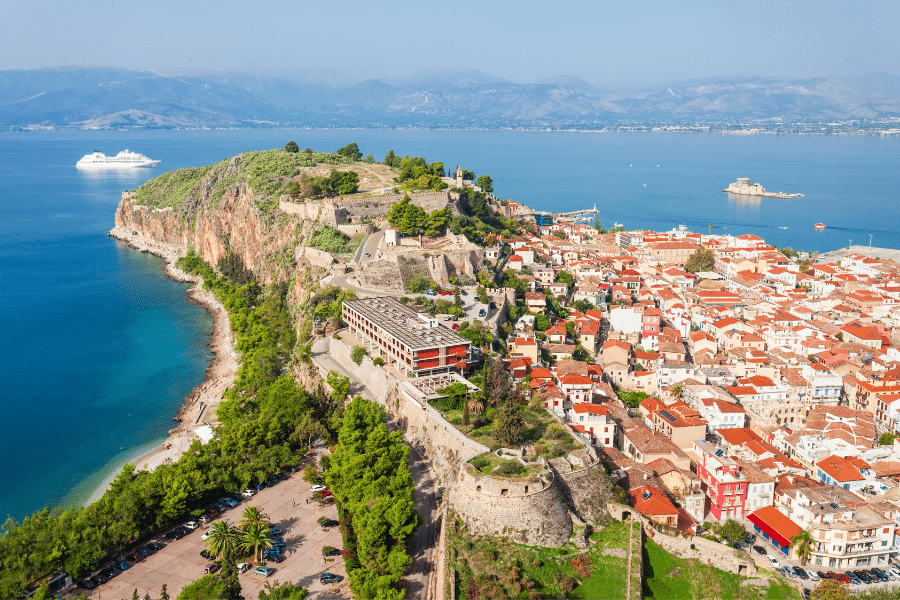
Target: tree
x=43, y=592
x=223, y=539
x=830, y=589
x=510, y=424
x=541, y=322
x=887, y=438
x=357, y=354
x=340, y=386
x=701, y=260
x=256, y=538
x=163, y=593
x=677, y=390
x=252, y=515
x=456, y=394
x=566, y=278
x=465, y=416
x=282, y=591
x=802, y=543
x=583, y=305
x=710, y=227
x=733, y=530
x=486, y=184
x=292, y=147
x=208, y=586
x=351, y=151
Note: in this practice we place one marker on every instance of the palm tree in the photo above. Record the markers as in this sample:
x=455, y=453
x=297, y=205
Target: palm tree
x=252, y=515
x=677, y=390
x=223, y=539
x=710, y=227
x=802, y=543
x=256, y=538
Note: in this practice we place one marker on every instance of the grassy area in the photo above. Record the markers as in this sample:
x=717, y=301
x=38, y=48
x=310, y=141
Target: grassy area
x=543, y=431
x=490, y=567
x=667, y=577
x=491, y=464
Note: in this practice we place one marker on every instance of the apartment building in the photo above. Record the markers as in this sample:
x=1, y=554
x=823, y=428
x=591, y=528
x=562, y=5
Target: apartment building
x=725, y=485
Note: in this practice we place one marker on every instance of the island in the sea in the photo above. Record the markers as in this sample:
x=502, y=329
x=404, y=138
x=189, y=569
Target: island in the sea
x=743, y=187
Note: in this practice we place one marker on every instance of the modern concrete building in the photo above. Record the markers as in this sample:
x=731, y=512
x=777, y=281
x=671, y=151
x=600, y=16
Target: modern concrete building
x=415, y=343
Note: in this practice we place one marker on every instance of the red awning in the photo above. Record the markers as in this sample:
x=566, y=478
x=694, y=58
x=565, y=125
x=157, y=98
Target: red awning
x=776, y=537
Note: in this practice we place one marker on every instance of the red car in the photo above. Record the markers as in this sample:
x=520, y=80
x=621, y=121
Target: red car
x=455, y=326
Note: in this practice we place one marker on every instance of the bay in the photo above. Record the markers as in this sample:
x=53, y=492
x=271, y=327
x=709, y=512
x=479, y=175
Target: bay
x=99, y=349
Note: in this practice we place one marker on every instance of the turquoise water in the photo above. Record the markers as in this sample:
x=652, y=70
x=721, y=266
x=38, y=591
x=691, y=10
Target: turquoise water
x=99, y=349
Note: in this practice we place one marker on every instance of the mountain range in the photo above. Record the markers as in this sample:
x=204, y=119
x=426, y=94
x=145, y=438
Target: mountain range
x=103, y=97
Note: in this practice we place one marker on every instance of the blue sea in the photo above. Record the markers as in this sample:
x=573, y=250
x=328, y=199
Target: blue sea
x=99, y=349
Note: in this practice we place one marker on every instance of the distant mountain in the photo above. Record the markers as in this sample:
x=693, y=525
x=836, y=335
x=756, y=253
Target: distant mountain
x=89, y=97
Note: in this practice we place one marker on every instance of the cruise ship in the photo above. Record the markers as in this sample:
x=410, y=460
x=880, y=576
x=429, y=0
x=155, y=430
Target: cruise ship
x=122, y=160
x=743, y=187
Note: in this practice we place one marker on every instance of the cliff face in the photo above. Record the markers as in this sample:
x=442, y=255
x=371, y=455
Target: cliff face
x=266, y=243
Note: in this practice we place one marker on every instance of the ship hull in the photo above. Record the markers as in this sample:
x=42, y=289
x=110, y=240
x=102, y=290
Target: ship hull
x=112, y=165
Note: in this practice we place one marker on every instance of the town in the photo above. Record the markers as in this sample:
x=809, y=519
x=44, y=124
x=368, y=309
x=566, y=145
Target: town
x=717, y=378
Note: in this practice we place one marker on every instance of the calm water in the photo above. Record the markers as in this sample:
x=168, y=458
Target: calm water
x=99, y=349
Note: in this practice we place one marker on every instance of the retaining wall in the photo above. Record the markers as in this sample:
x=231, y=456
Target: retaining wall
x=706, y=551
x=587, y=492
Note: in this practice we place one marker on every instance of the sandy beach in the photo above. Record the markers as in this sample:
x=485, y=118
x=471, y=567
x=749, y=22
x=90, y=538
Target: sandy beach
x=200, y=405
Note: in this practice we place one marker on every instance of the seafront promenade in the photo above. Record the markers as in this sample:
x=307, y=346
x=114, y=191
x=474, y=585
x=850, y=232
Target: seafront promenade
x=870, y=251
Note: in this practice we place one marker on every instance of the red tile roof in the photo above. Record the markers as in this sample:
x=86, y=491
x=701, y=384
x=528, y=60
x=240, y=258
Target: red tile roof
x=778, y=526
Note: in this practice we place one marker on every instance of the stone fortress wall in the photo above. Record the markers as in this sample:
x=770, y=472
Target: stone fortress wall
x=343, y=211
x=530, y=510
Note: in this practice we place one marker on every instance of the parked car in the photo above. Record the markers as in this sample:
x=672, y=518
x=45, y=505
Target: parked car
x=854, y=578
x=330, y=523
x=276, y=558
x=229, y=502
x=481, y=313
x=429, y=293
x=863, y=576
x=212, y=512
x=205, y=554
x=156, y=546
x=177, y=533
x=122, y=565
x=211, y=568
x=775, y=562
x=206, y=535
x=823, y=575
x=801, y=572
x=277, y=540
x=789, y=571
x=464, y=292
x=248, y=493
x=204, y=519
x=191, y=525
x=100, y=578
x=86, y=584
x=367, y=254
x=275, y=529
x=329, y=578
x=317, y=488
x=263, y=571
x=881, y=575
x=455, y=326
x=760, y=550
x=243, y=567
x=750, y=538
x=133, y=557
x=812, y=575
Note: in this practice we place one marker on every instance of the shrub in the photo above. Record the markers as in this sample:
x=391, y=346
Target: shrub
x=510, y=467
x=323, y=521
x=378, y=361
x=336, y=336
x=357, y=354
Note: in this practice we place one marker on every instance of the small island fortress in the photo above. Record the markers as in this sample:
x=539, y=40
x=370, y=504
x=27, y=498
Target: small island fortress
x=743, y=187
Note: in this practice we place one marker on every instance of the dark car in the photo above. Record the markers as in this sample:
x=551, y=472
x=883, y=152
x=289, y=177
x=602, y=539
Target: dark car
x=332, y=552
x=832, y=575
x=100, y=578
x=144, y=551
x=863, y=576
x=275, y=529
x=212, y=512
x=880, y=574
x=277, y=540
x=275, y=558
x=330, y=523
x=750, y=538
x=133, y=557
x=801, y=573
x=156, y=546
x=205, y=554
x=177, y=533
x=481, y=313
x=271, y=481
x=329, y=578
x=122, y=565
x=86, y=584
x=211, y=568
x=822, y=575
x=760, y=550
x=854, y=578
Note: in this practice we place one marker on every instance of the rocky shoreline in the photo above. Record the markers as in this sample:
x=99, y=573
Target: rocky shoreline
x=200, y=404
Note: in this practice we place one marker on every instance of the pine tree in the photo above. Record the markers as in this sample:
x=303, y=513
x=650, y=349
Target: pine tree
x=163, y=593
x=134, y=596
x=510, y=424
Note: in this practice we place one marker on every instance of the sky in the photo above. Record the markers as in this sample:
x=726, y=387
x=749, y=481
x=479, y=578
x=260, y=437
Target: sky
x=619, y=44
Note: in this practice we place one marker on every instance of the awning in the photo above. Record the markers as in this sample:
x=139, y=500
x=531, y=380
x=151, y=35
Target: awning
x=779, y=527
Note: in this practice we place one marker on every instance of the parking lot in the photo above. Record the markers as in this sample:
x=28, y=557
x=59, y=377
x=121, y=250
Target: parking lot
x=764, y=562
x=179, y=562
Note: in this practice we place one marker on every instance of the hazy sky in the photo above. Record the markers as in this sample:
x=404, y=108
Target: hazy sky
x=622, y=43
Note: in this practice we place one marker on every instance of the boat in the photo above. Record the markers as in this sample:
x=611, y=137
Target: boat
x=820, y=225
x=743, y=187
x=123, y=160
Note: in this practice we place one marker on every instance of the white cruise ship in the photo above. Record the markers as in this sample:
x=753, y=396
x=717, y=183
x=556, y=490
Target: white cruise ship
x=122, y=160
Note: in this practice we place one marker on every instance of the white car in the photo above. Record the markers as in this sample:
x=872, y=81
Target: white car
x=317, y=488
x=775, y=562
x=206, y=535
x=248, y=493
x=812, y=575
x=243, y=567
x=191, y=525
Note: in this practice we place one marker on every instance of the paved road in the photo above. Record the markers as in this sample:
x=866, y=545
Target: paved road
x=370, y=246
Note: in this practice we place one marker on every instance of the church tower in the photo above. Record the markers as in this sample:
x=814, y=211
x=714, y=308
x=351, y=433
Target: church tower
x=459, y=176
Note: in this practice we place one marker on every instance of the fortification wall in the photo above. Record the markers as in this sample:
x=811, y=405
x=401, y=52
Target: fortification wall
x=587, y=492
x=715, y=554
x=425, y=429
x=353, y=210
x=365, y=228
x=496, y=506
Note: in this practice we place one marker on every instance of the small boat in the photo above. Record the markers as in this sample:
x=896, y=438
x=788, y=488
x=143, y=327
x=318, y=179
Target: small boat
x=782, y=228
x=820, y=225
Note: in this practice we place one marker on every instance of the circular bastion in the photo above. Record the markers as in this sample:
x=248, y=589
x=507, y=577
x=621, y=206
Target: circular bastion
x=529, y=510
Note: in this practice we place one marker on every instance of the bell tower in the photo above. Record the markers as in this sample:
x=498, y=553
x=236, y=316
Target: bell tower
x=459, y=176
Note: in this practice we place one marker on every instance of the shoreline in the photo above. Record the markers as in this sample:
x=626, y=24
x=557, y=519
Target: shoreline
x=200, y=404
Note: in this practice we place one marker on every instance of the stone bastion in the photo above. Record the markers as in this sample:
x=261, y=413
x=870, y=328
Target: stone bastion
x=529, y=510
